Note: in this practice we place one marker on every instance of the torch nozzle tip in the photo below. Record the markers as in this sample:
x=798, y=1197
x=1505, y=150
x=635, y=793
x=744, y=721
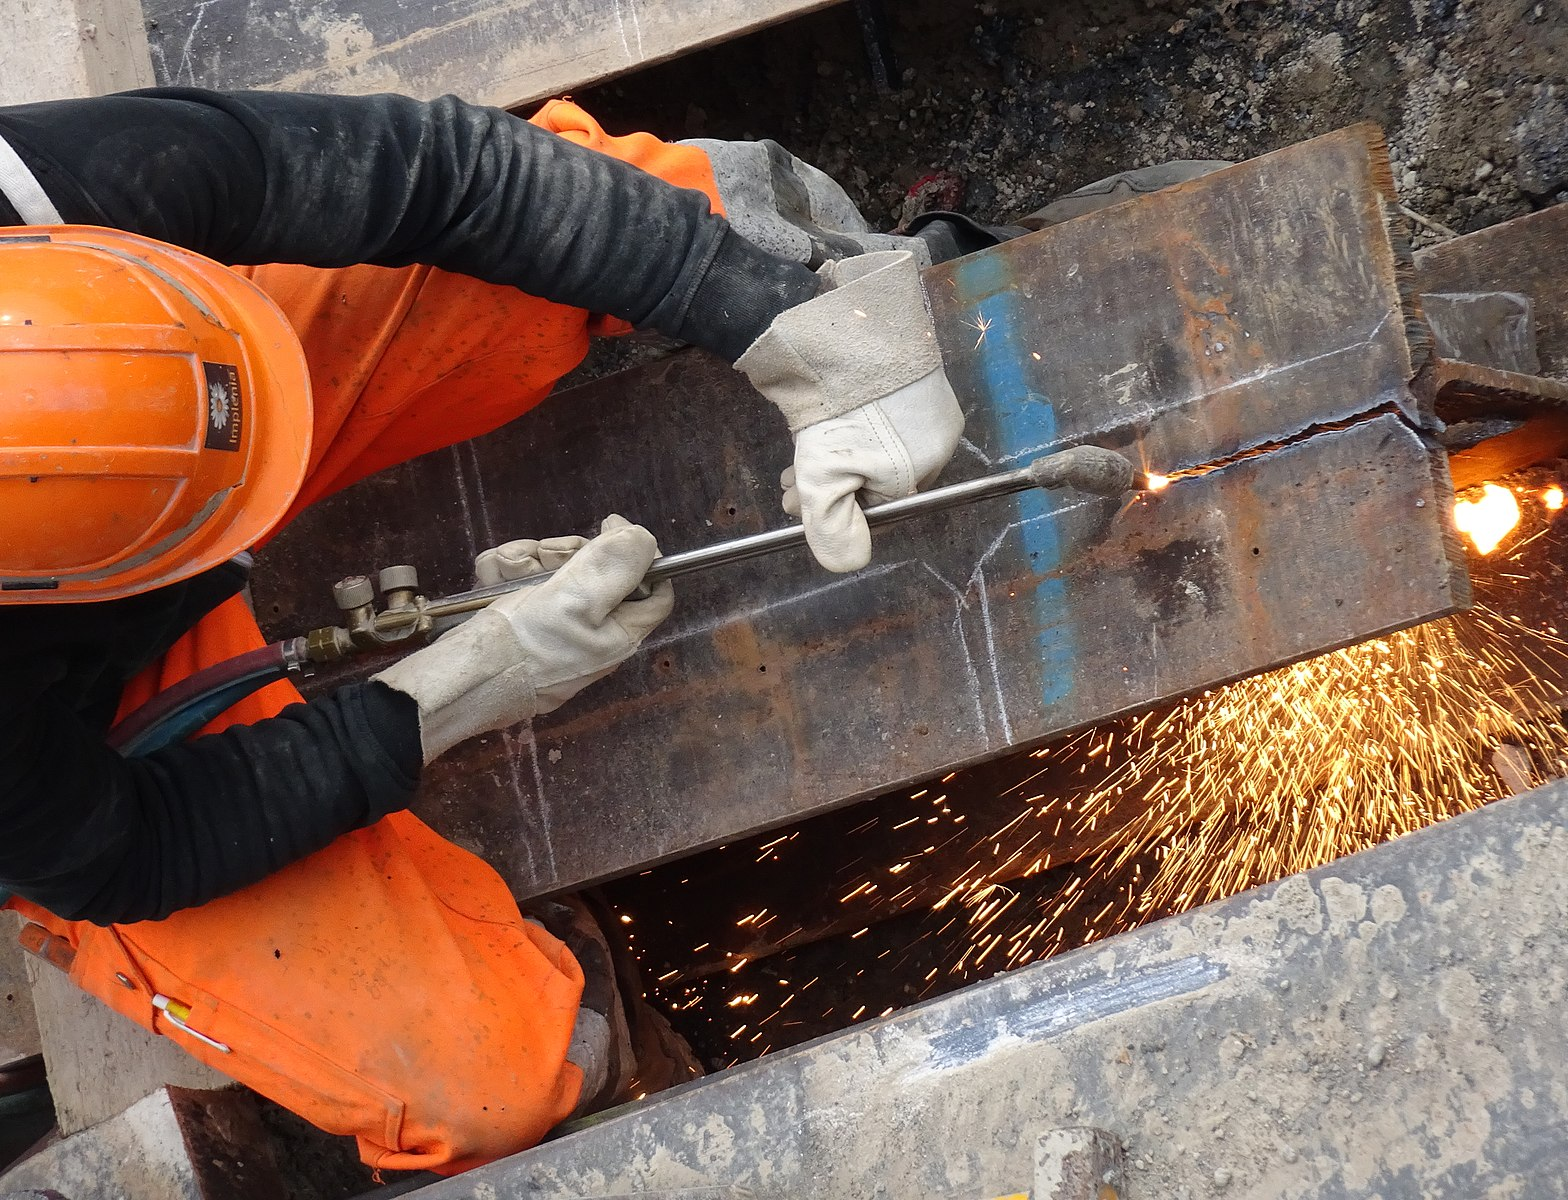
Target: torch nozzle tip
x=1150, y=481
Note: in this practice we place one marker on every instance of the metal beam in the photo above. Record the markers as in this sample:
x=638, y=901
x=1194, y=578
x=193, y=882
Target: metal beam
x=500, y=52
x=1390, y=1024
x=174, y=1144
x=1232, y=314
x=1523, y=255
x=1518, y=256
x=1462, y=392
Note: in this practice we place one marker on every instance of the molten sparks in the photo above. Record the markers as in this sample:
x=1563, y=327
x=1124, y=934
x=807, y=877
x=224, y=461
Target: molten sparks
x=1489, y=518
x=1242, y=785
x=1277, y=774
x=1156, y=483
x=1281, y=772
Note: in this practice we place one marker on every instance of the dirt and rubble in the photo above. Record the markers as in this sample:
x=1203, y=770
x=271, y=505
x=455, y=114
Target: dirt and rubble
x=1028, y=100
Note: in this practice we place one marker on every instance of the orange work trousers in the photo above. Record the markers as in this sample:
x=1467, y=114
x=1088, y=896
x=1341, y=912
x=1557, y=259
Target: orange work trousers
x=385, y=987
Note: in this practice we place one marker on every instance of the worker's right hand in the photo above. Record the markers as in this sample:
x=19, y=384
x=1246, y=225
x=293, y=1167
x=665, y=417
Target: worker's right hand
x=534, y=649
x=858, y=376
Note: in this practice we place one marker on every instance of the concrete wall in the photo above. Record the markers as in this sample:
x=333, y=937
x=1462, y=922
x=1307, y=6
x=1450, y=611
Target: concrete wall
x=1389, y=1025
x=58, y=49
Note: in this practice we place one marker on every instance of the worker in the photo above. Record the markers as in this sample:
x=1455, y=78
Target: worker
x=217, y=309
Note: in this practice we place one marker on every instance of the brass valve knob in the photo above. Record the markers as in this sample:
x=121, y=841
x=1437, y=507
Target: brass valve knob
x=354, y=592
x=400, y=578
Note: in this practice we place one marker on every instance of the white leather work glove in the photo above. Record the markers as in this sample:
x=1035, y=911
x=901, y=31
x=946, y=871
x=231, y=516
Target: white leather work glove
x=858, y=376
x=524, y=559
x=532, y=650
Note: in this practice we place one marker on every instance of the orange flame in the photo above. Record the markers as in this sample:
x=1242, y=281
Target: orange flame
x=1489, y=518
x=1552, y=498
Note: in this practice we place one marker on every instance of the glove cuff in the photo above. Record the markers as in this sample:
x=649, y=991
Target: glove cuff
x=865, y=338
x=472, y=680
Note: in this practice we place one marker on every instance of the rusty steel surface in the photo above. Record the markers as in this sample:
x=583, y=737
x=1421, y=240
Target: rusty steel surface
x=1232, y=312
x=1494, y=328
x=1522, y=256
x=1195, y=325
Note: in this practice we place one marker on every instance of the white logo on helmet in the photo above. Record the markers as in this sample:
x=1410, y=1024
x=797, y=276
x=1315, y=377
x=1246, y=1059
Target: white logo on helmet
x=218, y=405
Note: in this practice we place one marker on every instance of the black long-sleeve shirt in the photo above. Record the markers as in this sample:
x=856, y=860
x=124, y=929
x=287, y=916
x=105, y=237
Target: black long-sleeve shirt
x=320, y=181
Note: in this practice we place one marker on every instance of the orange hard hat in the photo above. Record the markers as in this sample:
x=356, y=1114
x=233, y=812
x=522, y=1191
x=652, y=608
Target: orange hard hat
x=154, y=414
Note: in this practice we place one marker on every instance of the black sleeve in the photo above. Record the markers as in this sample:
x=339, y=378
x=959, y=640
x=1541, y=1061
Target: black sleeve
x=254, y=177
x=96, y=837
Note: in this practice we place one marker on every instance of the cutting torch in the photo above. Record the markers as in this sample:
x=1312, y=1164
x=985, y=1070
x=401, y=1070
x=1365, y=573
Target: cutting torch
x=407, y=619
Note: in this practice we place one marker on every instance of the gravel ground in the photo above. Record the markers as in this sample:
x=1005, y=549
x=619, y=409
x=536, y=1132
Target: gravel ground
x=1029, y=100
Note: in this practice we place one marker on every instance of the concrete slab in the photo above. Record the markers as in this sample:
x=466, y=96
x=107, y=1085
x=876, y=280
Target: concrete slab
x=502, y=52
x=1388, y=1025
x=60, y=49
x=100, y=1063
x=175, y=1144
x=19, y=1036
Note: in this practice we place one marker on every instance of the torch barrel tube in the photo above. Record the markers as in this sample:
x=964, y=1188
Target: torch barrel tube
x=1086, y=468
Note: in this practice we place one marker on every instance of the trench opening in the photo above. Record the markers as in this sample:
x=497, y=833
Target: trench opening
x=769, y=942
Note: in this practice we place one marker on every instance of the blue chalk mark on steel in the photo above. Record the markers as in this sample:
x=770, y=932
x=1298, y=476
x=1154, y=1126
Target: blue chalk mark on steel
x=1024, y=424
x=1073, y=1006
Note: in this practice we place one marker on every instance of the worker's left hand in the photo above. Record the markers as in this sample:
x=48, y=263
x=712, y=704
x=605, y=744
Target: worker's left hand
x=857, y=374
x=533, y=649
